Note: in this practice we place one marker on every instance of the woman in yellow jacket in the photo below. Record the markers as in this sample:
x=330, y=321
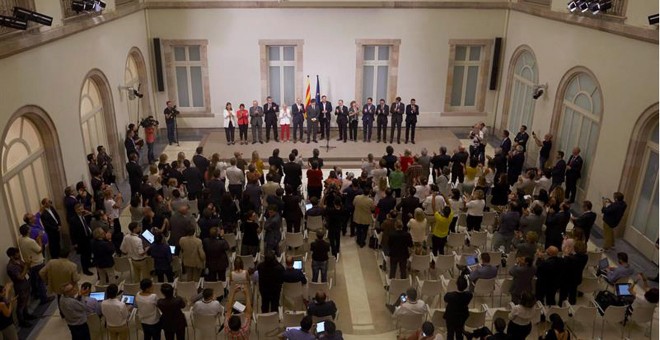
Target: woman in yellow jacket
x=441, y=227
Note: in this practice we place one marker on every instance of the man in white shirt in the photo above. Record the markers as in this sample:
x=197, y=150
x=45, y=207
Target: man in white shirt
x=235, y=179
x=411, y=305
x=116, y=314
x=33, y=253
x=439, y=201
x=208, y=305
x=133, y=247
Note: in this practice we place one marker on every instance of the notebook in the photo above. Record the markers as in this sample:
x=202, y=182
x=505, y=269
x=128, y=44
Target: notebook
x=128, y=299
x=99, y=296
x=148, y=236
x=623, y=289
x=603, y=263
x=471, y=260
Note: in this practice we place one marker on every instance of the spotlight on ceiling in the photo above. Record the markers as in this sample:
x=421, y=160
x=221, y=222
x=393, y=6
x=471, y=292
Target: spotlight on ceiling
x=82, y=6
x=28, y=15
x=584, y=6
x=653, y=19
x=572, y=6
x=12, y=22
x=600, y=6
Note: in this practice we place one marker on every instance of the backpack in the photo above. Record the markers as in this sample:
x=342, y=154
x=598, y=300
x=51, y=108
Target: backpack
x=605, y=299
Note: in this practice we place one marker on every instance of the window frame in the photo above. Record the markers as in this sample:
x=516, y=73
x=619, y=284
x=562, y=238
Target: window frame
x=375, y=63
x=170, y=71
x=649, y=148
x=297, y=44
x=482, y=81
x=281, y=64
x=392, y=69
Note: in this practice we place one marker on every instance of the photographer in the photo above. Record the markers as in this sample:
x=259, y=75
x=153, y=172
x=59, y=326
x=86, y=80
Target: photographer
x=170, y=119
x=150, y=124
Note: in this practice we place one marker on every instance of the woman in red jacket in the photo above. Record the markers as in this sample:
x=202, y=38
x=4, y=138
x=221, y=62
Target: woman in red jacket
x=242, y=116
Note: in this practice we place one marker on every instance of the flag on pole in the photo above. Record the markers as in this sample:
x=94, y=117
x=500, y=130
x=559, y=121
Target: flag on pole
x=318, y=90
x=308, y=95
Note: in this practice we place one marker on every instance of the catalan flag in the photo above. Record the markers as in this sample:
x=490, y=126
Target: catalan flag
x=308, y=95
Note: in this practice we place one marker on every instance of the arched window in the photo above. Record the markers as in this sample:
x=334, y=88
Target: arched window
x=25, y=173
x=645, y=204
x=132, y=79
x=91, y=116
x=525, y=76
x=579, y=125
x=135, y=75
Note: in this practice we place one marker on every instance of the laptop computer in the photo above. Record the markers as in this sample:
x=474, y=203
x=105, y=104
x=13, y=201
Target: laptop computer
x=603, y=263
x=148, y=236
x=128, y=299
x=99, y=296
x=298, y=264
x=172, y=249
x=471, y=260
x=623, y=289
x=320, y=327
x=308, y=206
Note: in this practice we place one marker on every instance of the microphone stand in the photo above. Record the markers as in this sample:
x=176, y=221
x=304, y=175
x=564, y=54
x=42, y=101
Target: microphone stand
x=327, y=137
x=176, y=130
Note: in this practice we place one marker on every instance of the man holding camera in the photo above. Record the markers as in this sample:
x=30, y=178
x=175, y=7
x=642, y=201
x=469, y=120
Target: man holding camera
x=170, y=119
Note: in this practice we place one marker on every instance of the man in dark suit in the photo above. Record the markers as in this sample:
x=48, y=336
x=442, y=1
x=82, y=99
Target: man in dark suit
x=292, y=173
x=324, y=118
x=277, y=161
x=216, y=188
x=341, y=111
x=505, y=145
x=298, y=117
x=396, y=109
x=522, y=137
x=400, y=242
x=194, y=180
x=368, y=113
x=81, y=238
x=201, y=162
x=134, y=174
x=70, y=202
x=412, y=111
x=129, y=144
x=381, y=121
x=516, y=164
x=271, y=110
x=458, y=160
x=586, y=220
x=500, y=159
x=52, y=223
x=456, y=310
x=558, y=171
x=549, y=268
x=313, y=113
x=573, y=173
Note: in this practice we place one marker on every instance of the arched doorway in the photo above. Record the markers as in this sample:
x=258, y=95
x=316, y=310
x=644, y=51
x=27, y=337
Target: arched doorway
x=576, y=120
x=135, y=75
x=97, y=119
x=31, y=166
x=519, y=105
x=639, y=183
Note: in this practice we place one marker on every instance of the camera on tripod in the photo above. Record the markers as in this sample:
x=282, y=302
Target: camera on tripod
x=148, y=122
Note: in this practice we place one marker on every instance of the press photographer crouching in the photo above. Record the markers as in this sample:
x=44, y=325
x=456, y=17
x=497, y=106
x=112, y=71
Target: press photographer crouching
x=150, y=125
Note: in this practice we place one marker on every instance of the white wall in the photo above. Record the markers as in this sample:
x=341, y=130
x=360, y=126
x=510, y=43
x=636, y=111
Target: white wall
x=626, y=69
x=51, y=77
x=329, y=49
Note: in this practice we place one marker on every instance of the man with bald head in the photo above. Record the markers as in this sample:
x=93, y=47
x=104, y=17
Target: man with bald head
x=256, y=120
x=458, y=161
x=549, y=268
x=321, y=306
x=74, y=312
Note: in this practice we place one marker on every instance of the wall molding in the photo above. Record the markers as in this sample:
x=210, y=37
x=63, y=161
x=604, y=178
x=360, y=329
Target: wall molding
x=30, y=39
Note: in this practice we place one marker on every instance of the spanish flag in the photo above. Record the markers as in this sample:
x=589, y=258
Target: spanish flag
x=308, y=95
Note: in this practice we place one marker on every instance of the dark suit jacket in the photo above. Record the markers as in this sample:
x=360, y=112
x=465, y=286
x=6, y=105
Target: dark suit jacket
x=573, y=266
x=397, y=110
x=194, y=180
x=368, y=112
x=575, y=172
x=328, y=110
x=69, y=204
x=217, y=189
x=456, y=310
x=134, y=175
x=201, y=162
x=78, y=237
x=381, y=114
x=270, y=115
x=521, y=139
x=312, y=112
x=516, y=163
x=277, y=162
x=558, y=172
x=216, y=253
x=585, y=221
x=50, y=224
x=505, y=145
x=399, y=244
x=549, y=273
x=130, y=146
x=298, y=114
x=292, y=174
x=412, y=111
x=342, y=114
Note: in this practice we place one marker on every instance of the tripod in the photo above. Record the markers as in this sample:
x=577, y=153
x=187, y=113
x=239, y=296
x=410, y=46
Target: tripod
x=327, y=139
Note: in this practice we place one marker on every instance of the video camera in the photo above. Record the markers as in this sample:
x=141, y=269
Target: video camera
x=148, y=122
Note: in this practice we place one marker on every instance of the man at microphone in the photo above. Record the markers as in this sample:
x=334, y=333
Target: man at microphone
x=170, y=113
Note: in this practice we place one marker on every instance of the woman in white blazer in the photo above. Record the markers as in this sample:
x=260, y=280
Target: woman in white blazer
x=229, y=123
x=285, y=122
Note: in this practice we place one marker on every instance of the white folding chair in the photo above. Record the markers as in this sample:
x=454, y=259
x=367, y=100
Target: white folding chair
x=248, y=261
x=505, y=288
x=593, y=258
x=397, y=287
x=498, y=314
x=563, y=311
x=292, y=318
x=477, y=319
x=462, y=221
x=204, y=326
x=615, y=315
x=589, y=286
x=438, y=320
x=448, y=285
x=409, y=322
x=430, y=290
x=217, y=286
x=313, y=287
x=420, y=263
x=314, y=223
x=483, y=288
x=479, y=239
x=131, y=288
x=455, y=241
x=292, y=296
x=444, y=264
x=641, y=316
x=332, y=269
x=488, y=221
x=267, y=324
x=231, y=240
x=123, y=267
x=95, y=324
x=186, y=290
x=294, y=240
x=584, y=318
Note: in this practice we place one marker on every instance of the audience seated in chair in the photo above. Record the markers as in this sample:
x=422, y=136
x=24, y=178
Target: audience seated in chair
x=320, y=306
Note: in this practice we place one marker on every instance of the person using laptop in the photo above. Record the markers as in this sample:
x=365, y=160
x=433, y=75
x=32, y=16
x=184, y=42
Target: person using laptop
x=621, y=271
x=485, y=270
x=93, y=303
x=320, y=306
x=293, y=275
x=116, y=314
x=300, y=333
x=133, y=247
x=645, y=296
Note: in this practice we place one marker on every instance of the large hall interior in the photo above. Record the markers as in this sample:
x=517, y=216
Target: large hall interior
x=547, y=110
